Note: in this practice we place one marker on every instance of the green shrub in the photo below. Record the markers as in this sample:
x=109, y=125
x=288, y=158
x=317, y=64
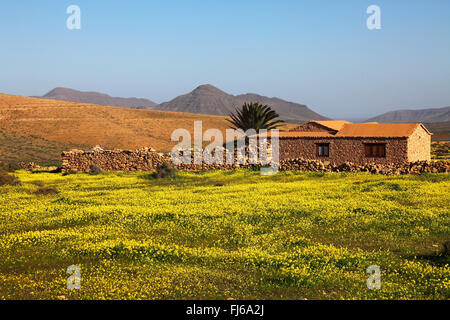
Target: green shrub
x=37, y=183
x=44, y=191
x=165, y=171
x=95, y=169
x=446, y=248
x=316, y=174
x=6, y=179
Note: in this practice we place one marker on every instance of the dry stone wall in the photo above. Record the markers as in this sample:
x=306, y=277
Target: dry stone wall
x=148, y=159
x=417, y=167
x=145, y=159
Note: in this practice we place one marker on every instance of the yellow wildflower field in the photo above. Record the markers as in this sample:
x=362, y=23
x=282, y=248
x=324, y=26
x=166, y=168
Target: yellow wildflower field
x=221, y=235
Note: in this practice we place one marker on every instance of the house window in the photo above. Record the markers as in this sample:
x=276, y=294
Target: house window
x=375, y=150
x=323, y=149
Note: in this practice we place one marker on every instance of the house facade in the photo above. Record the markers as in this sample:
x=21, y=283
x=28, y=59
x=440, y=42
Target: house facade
x=360, y=143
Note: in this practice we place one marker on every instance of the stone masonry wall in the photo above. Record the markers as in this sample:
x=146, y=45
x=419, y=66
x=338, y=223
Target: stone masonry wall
x=344, y=149
x=341, y=150
x=148, y=160
x=417, y=167
x=111, y=160
x=145, y=159
x=419, y=146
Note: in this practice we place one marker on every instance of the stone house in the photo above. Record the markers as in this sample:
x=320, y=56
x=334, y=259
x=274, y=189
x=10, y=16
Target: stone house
x=360, y=143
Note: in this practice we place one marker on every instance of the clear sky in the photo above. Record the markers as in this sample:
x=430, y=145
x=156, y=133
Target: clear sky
x=319, y=52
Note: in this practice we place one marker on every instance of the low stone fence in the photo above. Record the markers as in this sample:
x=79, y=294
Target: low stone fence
x=145, y=159
x=148, y=159
x=388, y=169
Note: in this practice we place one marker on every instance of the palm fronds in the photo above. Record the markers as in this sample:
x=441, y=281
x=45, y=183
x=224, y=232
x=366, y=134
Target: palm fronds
x=254, y=116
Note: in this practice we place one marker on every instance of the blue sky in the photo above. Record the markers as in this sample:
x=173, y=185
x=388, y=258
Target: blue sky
x=319, y=53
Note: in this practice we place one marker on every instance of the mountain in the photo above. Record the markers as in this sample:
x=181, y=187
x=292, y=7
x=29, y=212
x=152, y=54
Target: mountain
x=207, y=99
x=66, y=94
x=423, y=115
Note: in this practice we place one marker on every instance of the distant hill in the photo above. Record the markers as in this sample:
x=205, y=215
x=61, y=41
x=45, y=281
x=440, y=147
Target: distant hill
x=66, y=94
x=207, y=99
x=423, y=115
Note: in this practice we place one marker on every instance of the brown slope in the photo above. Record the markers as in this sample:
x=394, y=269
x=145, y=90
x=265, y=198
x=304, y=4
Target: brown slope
x=440, y=130
x=42, y=128
x=207, y=99
x=66, y=94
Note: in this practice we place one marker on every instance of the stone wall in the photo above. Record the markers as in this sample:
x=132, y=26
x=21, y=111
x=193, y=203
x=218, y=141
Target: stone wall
x=111, y=160
x=419, y=145
x=148, y=160
x=417, y=167
x=399, y=151
x=145, y=159
x=343, y=150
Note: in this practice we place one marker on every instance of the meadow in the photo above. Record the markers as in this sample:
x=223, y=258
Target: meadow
x=225, y=235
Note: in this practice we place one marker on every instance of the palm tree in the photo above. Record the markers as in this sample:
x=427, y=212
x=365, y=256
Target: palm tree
x=255, y=116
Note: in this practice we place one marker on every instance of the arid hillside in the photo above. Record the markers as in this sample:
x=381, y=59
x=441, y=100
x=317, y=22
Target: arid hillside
x=441, y=130
x=39, y=130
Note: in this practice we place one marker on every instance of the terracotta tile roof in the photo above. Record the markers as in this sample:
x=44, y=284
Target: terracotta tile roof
x=300, y=134
x=383, y=130
x=332, y=124
x=359, y=130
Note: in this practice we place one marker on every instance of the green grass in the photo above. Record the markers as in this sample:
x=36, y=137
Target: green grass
x=220, y=235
